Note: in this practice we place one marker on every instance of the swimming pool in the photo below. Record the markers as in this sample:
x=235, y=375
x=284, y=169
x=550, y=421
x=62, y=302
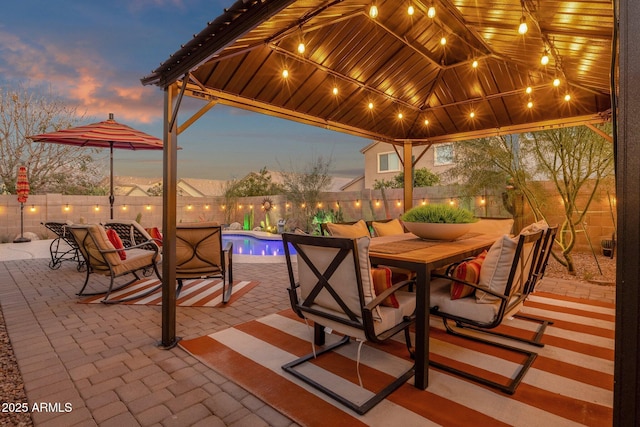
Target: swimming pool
x=250, y=244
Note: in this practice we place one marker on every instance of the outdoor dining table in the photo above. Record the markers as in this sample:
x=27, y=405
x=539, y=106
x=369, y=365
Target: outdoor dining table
x=423, y=256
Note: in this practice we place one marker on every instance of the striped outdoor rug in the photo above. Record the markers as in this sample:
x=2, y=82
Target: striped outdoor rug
x=195, y=293
x=569, y=384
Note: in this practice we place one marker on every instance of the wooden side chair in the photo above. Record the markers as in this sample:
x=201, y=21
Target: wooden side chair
x=335, y=290
x=506, y=270
x=102, y=257
x=200, y=254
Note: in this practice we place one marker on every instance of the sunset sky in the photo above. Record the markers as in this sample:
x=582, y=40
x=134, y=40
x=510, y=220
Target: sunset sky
x=93, y=54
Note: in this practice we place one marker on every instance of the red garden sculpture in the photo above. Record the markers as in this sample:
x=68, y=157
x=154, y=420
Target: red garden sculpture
x=22, y=189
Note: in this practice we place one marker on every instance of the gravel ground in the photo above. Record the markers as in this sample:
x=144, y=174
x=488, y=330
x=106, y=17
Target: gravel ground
x=11, y=386
x=589, y=269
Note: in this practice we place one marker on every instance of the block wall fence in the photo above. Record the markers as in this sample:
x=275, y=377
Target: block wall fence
x=367, y=204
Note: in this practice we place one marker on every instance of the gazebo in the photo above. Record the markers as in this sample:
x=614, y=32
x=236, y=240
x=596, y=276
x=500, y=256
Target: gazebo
x=422, y=72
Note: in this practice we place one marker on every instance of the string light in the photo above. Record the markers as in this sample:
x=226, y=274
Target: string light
x=148, y=207
x=124, y=207
x=474, y=64
x=567, y=97
x=370, y=106
x=530, y=104
x=301, y=48
x=545, y=57
x=431, y=12
x=400, y=116
x=426, y=122
x=373, y=11
x=528, y=90
x=410, y=10
x=285, y=73
x=443, y=41
x=556, y=82
x=97, y=208
x=472, y=114
x=33, y=208
x=66, y=207
x=335, y=90
x=523, y=28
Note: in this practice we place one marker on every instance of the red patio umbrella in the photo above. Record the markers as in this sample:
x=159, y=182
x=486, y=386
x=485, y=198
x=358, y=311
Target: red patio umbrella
x=22, y=189
x=108, y=133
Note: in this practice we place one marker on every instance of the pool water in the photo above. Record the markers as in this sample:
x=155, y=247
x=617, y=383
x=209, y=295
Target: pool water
x=250, y=245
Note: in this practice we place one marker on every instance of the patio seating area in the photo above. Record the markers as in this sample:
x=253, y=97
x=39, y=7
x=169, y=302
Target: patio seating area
x=104, y=359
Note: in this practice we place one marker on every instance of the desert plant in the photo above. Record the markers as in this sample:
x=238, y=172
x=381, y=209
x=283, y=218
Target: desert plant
x=437, y=213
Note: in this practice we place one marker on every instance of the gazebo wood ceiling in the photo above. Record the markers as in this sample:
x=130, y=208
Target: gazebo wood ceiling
x=397, y=63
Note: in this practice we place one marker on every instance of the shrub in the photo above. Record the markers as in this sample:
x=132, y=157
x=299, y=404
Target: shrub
x=439, y=214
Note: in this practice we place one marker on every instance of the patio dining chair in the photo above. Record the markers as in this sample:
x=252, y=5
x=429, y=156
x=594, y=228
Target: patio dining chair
x=335, y=290
x=63, y=247
x=102, y=257
x=200, y=254
x=507, y=268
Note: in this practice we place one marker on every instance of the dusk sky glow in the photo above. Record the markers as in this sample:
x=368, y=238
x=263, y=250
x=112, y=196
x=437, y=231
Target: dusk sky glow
x=93, y=55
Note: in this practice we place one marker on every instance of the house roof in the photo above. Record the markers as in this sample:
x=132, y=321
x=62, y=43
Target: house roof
x=397, y=63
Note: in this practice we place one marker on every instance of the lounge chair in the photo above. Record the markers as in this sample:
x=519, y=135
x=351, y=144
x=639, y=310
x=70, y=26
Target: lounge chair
x=63, y=247
x=200, y=254
x=131, y=233
x=335, y=290
x=102, y=257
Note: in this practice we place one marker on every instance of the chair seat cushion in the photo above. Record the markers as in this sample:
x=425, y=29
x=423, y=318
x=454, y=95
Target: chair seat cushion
x=466, y=308
x=136, y=259
x=389, y=316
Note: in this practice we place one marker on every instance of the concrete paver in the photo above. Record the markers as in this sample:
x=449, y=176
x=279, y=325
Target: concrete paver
x=105, y=361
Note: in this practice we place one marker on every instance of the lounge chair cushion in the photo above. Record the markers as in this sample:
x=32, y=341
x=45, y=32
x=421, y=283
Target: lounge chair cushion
x=389, y=228
x=155, y=234
x=496, y=268
x=359, y=229
x=117, y=243
x=469, y=271
x=382, y=280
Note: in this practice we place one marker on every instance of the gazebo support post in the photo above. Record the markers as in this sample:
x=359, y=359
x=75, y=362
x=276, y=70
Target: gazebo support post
x=408, y=175
x=169, y=199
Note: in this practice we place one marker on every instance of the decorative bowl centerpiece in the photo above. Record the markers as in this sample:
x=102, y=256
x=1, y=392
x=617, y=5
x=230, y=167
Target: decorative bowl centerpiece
x=438, y=222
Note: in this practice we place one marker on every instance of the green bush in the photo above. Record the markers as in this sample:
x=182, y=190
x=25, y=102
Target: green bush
x=439, y=214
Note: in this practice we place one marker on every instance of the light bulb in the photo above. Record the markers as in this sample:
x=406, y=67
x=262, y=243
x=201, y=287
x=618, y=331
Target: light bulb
x=285, y=73
x=301, y=48
x=371, y=106
x=431, y=13
x=335, y=90
x=545, y=58
x=373, y=11
x=523, y=28
x=528, y=90
x=426, y=122
x=472, y=114
x=556, y=82
x=400, y=116
x=410, y=10
x=567, y=97
x=530, y=104
x=474, y=64
x=443, y=40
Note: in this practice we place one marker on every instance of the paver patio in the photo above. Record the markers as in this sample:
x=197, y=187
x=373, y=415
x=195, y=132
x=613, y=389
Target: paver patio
x=105, y=362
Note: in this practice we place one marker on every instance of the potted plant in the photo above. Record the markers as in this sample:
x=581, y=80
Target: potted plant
x=438, y=221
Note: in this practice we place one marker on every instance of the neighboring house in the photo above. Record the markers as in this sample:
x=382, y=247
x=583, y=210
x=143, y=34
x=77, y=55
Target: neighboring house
x=382, y=161
x=140, y=186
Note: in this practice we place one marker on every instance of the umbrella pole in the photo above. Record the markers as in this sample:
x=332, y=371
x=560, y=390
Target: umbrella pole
x=111, y=196
x=22, y=239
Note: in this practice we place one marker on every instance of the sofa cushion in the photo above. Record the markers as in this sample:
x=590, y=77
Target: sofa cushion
x=469, y=271
x=359, y=229
x=389, y=228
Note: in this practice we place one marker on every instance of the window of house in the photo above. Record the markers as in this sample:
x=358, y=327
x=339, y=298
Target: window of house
x=388, y=162
x=443, y=154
